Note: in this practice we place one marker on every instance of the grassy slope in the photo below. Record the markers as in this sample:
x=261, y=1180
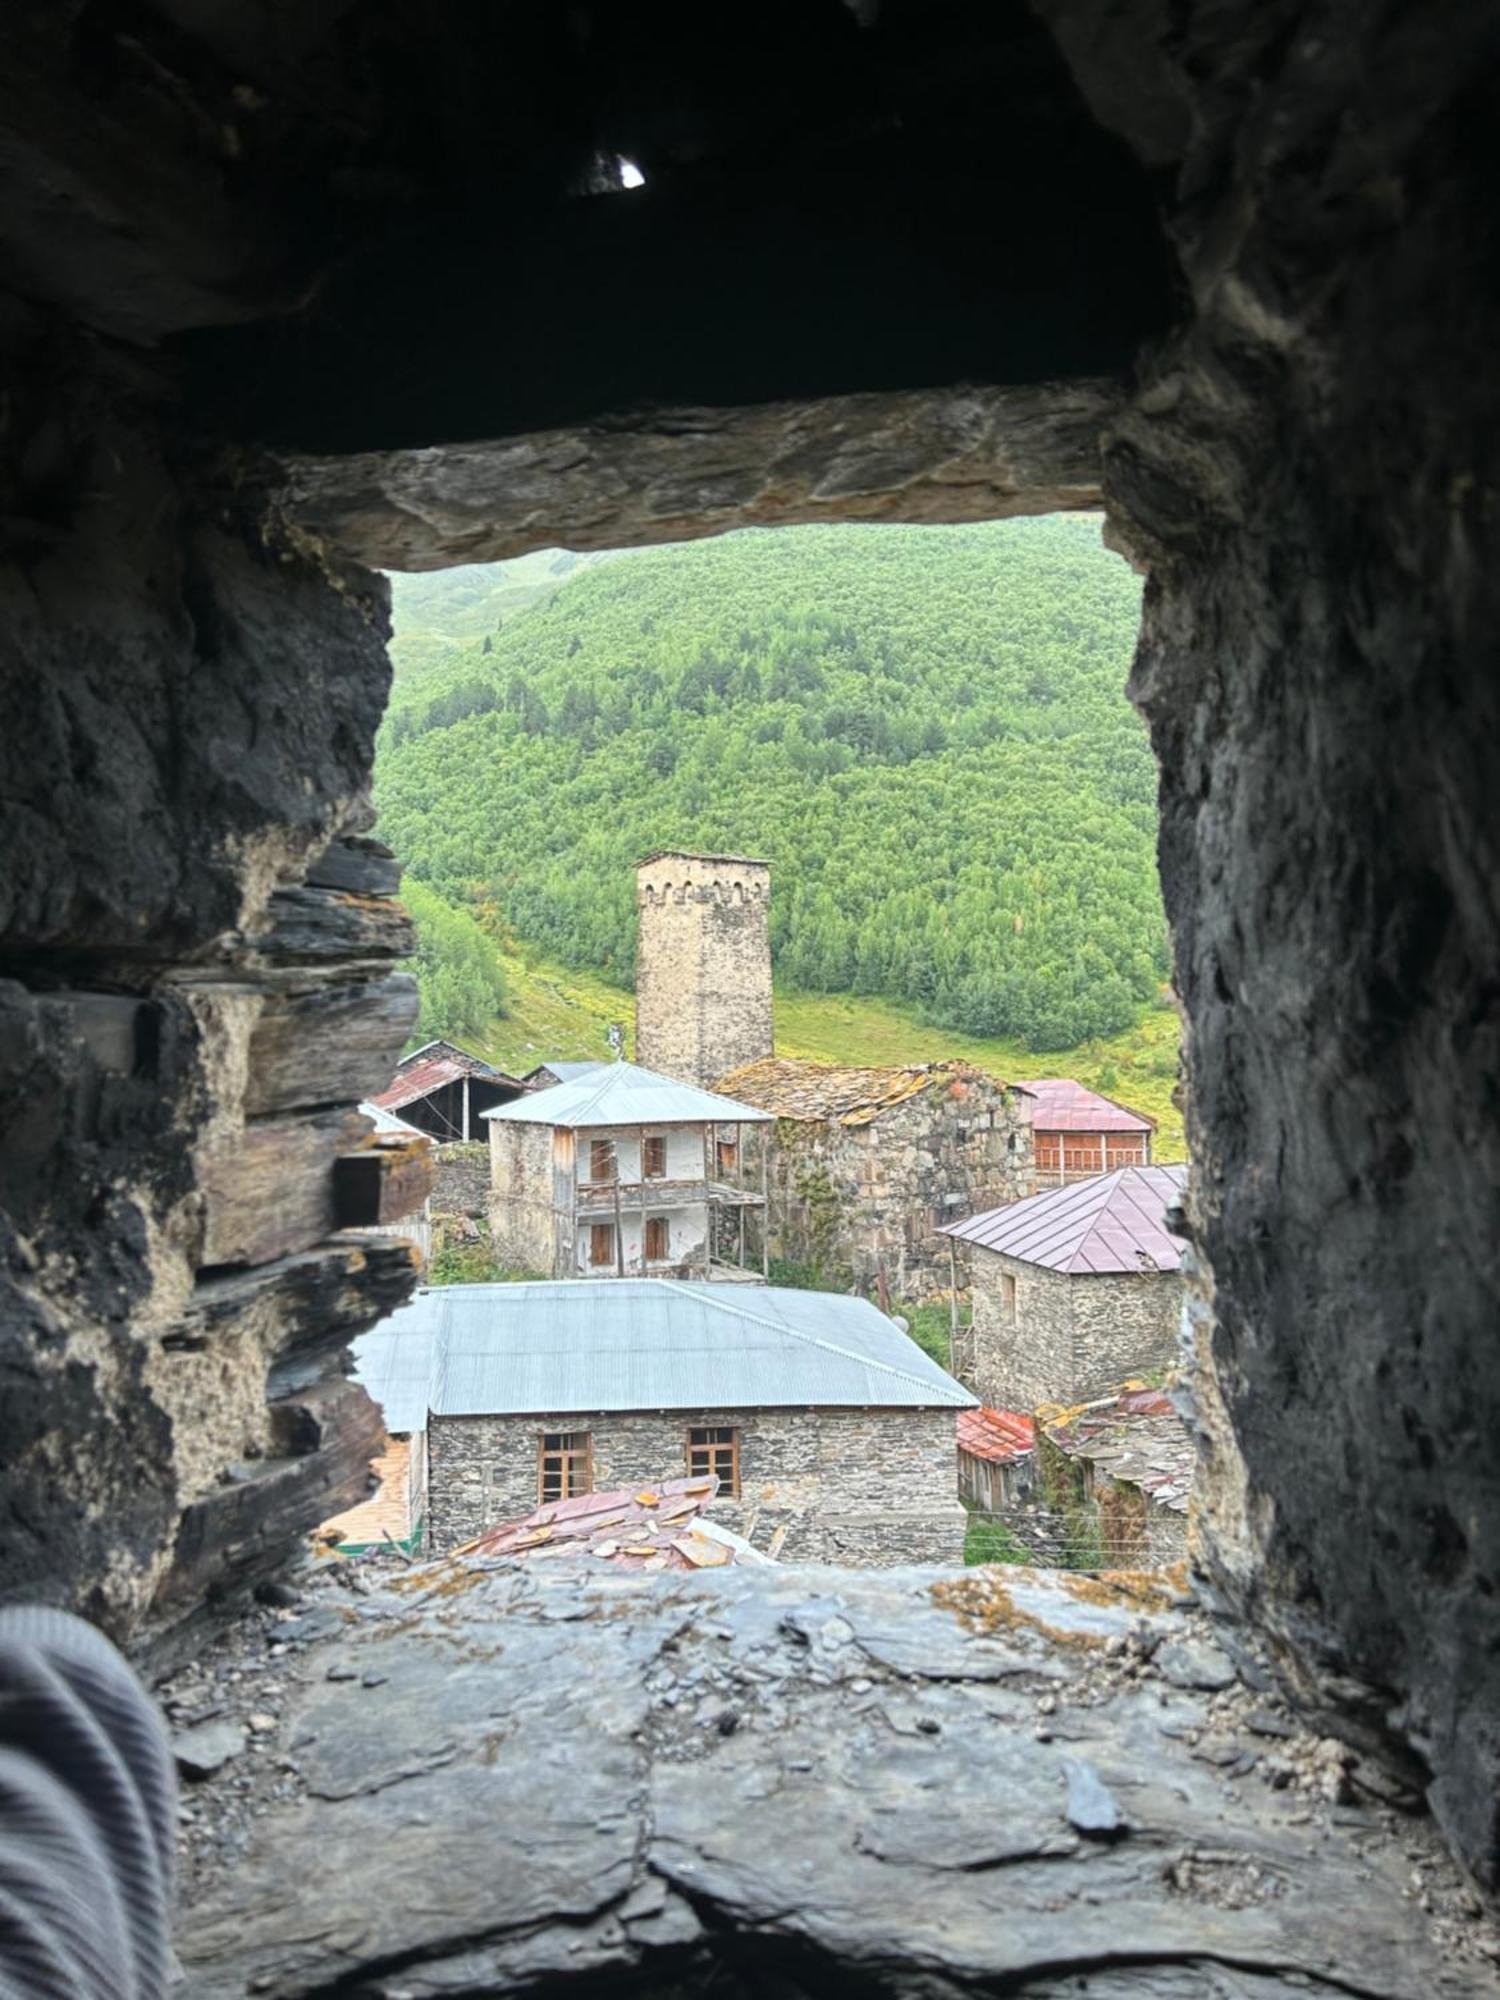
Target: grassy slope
x=555, y=1012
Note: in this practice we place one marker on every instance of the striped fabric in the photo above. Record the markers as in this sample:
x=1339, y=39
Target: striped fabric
x=87, y=1818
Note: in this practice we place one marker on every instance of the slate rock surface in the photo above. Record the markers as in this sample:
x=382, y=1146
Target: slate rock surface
x=935, y=1782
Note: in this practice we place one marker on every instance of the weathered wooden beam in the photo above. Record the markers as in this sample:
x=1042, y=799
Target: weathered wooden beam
x=328, y=1044
x=381, y=1182
x=268, y=1191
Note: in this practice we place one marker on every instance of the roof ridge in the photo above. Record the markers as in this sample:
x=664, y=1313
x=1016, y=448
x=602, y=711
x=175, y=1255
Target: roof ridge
x=828, y=1346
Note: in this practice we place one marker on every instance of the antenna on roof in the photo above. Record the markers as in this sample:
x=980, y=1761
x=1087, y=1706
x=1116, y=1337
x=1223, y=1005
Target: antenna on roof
x=614, y=1034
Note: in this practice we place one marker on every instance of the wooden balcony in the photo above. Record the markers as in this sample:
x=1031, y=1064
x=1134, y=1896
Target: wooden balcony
x=601, y=1198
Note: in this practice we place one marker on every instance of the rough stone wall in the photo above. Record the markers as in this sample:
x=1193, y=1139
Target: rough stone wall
x=1309, y=473
x=871, y=1488
x=524, y=1230
x=868, y=1198
x=1070, y=1337
x=192, y=983
x=703, y=965
x=461, y=1178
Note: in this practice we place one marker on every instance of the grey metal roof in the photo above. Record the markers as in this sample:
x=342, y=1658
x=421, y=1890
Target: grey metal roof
x=1111, y=1223
x=623, y=1093
x=663, y=1344
x=565, y=1072
x=387, y=1121
x=393, y=1361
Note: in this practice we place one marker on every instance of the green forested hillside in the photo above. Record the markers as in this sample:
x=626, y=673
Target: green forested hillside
x=924, y=729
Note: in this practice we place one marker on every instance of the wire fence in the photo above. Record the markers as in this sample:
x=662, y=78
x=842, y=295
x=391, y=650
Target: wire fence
x=1077, y=1540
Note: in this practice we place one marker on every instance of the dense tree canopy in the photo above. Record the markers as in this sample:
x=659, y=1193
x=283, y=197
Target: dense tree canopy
x=457, y=967
x=924, y=729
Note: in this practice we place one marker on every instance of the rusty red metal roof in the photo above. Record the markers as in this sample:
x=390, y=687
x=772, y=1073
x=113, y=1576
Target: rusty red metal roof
x=1062, y=1105
x=638, y=1527
x=996, y=1434
x=1111, y=1223
x=427, y=1070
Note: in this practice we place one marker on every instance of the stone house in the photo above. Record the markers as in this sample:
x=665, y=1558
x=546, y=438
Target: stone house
x=865, y=1166
x=996, y=1459
x=829, y=1430
x=1074, y=1290
x=546, y=1074
x=1079, y=1133
x=703, y=964
x=623, y=1173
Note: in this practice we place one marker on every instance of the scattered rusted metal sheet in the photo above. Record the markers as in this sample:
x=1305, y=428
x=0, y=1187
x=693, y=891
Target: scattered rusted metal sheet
x=652, y=1528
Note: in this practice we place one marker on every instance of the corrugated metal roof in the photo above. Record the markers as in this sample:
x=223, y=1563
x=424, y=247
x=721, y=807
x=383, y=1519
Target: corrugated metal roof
x=692, y=854
x=1109, y=1224
x=1062, y=1105
x=393, y=1361
x=793, y=1087
x=1001, y=1435
x=650, y=1344
x=1136, y=1436
x=623, y=1093
x=565, y=1072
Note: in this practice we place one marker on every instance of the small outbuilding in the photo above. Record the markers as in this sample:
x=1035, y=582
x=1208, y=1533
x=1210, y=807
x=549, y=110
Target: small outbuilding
x=1074, y=1290
x=1078, y=1133
x=866, y=1165
x=829, y=1430
x=1121, y=1469
x=442, y=1090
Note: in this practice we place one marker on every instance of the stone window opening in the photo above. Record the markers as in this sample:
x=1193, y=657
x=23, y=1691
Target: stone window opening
x=715, y=1448
x=658, y=1246
x=1008, y=1297
x=565, y=1465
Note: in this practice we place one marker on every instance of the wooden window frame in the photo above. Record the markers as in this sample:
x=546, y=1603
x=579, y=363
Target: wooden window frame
x=568, y=1457
x=726, y=1158
x=606, y=1149
x=654, y=1156
x=602, y=1232
x=708, y=1441
x=655, y=1223
x=1008, y=1297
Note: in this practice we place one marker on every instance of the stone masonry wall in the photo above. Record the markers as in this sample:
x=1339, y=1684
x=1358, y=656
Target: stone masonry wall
x=461, y=1178
x=523, y=1229
x=1070, y=1337
x=869, y=1197
x=866, y=1487
x=703, y=965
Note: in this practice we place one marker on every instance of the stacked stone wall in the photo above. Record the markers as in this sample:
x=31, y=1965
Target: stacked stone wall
x=869, y=1487
x=703, y=966
x=461, y=1178
x=866, y=1199
x=1070, y=1337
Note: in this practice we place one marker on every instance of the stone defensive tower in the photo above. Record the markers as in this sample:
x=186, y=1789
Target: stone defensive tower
x=703, y=965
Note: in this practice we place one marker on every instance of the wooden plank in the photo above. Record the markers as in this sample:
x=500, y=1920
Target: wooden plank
x=317, y=925
x=268, y=1191
x=382, y=1182
x=329, y=1044
x=364, y=867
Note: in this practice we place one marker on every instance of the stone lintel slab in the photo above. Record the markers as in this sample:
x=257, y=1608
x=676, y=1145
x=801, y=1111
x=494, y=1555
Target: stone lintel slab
x=940, y=455
x=516, y=1773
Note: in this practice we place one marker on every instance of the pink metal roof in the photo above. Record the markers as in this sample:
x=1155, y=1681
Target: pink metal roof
x=996, y=1434
x=1109, y=1224
x=1065, y=1106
